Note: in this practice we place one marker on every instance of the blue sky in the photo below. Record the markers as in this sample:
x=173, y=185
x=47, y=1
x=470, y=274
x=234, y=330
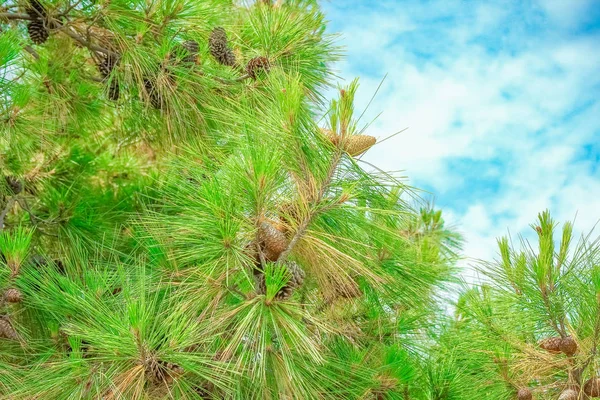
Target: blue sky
x=501, y=100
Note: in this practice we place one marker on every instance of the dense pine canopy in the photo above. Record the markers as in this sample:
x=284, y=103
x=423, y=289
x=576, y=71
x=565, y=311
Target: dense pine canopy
x=184, y=215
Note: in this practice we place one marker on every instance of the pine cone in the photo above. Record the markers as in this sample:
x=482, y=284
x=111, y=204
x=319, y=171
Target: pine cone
x=36, y=10
x=568, y=346
x=6, y=330
x=217, y=45
x=272, y=240
x=296, y=280
x=358, y=144
x=15, y=185
x=257, y=65
x=592, y=387
x=524, y=394
x=107, y=64
x=153, y=94
x=114, y=90
x=551, y=344
x=37, y=31
x=568, y=394
x=13, y=295
x=192, y=48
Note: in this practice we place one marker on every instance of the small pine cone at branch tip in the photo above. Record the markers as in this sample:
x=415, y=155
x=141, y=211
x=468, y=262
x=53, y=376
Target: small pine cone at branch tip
x=592, y=387
x=13, y=295
x=354, y=145
x=524, y=394
x=257, y=65
x=219, y=49
x=358, y=144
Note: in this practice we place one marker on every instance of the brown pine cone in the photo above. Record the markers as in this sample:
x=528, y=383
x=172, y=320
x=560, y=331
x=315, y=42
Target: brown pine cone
x=219, y=49
x=6, y=330
x=568, y=346
x=15, y=184
x=524, y=394
x=551, y=344
x=257, y=65
x=13, y=295
x=568, y=394
x=272, y=240
x=38, y=33
x=592, y=387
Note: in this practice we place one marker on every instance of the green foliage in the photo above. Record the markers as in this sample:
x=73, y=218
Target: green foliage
x=176, y=225
x=534, y=323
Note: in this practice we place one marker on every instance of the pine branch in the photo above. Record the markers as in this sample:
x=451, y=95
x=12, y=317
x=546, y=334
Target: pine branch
x=306, y=222
x=31, y=51
x=80, y=39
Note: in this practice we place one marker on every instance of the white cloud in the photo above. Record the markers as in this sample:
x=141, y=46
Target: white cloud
x=510, y=89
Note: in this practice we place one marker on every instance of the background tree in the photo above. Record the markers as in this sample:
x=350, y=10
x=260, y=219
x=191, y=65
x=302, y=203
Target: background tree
x=531, y=329
x=184, y=216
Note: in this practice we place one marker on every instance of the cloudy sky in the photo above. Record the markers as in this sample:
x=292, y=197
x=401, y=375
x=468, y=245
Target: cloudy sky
x=501, y=100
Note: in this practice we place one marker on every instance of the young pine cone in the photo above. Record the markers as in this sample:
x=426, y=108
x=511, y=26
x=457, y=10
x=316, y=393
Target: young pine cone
x=296, y=280
x=114, y=90
x=217, y=45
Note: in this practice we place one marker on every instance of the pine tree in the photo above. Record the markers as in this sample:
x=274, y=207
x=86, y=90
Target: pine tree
x=530, y=329
x=175, y=224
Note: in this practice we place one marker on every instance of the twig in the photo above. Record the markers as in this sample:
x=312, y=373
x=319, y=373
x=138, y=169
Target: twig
x=8, y=206
x=231, y=81
x=9, y=16
x=31, y=51
x=68, y=10
x=81, y=39
x=235, y=290
x=25, y=206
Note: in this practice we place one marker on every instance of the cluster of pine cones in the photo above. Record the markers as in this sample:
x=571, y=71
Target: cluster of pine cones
x=219, y=48
x=568, y=346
